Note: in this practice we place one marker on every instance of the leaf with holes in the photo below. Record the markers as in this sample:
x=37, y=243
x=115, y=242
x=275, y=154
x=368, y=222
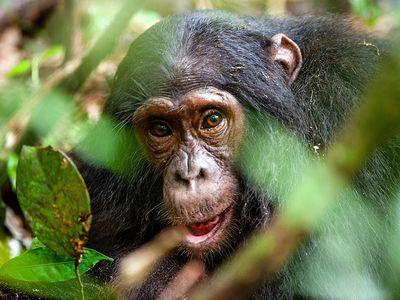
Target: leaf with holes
x=54, y=199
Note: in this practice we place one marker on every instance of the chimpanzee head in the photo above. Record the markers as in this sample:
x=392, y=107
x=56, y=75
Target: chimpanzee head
x=185, y=88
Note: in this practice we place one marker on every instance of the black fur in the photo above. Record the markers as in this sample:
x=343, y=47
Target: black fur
x=223, y=50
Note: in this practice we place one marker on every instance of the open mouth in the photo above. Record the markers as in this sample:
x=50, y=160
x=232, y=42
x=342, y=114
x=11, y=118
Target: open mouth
x=202, y=232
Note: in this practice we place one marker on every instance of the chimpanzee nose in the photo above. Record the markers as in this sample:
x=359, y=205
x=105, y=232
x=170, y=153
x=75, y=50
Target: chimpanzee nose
x=193, y=174
x=191, y=167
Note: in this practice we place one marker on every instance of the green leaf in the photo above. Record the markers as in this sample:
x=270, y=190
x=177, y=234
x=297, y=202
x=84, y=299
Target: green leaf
x=36, y=244
x=12, y=162
x=62, y=290
x=105, y=139
x=5, y=251
x=22, y=68
x=54, y=199
x=44, y=265
x=52, y=52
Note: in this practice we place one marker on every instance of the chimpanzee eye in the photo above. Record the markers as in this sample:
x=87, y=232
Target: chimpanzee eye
x=212, y=120
x=160, y=129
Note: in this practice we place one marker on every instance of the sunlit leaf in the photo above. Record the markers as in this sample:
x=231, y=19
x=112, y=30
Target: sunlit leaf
x=43, y=265
x=52, y=52
x=54, y=198
x=22, y=68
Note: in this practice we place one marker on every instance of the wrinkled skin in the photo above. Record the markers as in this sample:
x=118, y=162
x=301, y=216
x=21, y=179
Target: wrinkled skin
x=193, y=139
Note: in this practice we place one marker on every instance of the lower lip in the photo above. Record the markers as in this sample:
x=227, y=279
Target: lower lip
x=200, y=239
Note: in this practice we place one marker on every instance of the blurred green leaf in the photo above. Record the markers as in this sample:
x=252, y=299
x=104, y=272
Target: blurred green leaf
x=98, y=17
x=22, y=68
x=63, y=290
x=367, y=9
x=42, y=264
x=52, y=52
x=112, y=147
x=11, y=99
x=145, y=17
x=54, y=198
x=12, y=163
x=54, y=108
x=36, y=244
x=5, y=253
x=277, y=172
x=26, y=65
x=337, y=265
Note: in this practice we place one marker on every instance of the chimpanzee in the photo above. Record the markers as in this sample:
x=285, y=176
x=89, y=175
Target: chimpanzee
x=186, y=91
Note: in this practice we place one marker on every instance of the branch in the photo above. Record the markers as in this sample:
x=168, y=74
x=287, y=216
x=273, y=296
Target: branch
x=136, y=266
x=104, y=45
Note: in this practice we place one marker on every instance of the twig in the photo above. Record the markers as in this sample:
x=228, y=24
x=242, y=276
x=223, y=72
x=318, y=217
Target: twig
x=135, y=267
x=72, y=33
x=78, y=261
x=184, y=281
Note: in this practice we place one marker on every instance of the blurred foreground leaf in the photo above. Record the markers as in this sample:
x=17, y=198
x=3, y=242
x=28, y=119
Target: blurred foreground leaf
x=52, y=52
x=42, y=264
x=70, y=289
x=12, y=162
x=5, y=253
x=111, y=147
x=54, y=198
x=36, y=244
x=23, y=67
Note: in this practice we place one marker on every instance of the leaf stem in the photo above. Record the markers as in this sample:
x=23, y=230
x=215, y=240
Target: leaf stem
x=78, y=261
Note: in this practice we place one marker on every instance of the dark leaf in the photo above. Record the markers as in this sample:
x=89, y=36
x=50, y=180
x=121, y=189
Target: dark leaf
x=54, y=198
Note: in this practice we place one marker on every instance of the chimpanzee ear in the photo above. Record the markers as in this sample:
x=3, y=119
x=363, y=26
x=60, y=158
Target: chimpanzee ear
x=287, y=53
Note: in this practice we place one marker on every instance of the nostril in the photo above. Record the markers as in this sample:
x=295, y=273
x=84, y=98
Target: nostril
x=202, y=174
x=189, y=177
x=180, y=178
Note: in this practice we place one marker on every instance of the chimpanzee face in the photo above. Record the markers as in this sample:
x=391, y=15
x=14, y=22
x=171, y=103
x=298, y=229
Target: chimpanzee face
x=193, y=139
